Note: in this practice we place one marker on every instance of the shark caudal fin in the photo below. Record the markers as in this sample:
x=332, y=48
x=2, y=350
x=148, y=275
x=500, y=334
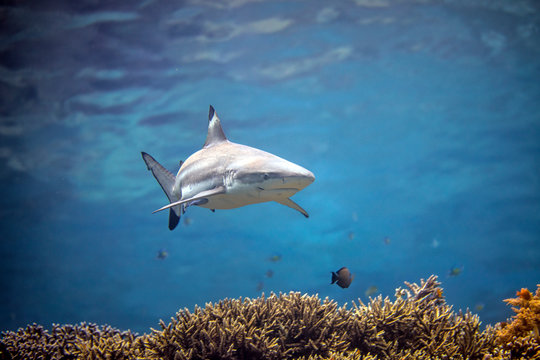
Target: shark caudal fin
x=166, y=180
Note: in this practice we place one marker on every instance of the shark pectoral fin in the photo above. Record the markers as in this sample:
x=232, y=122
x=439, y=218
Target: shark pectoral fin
x=288, y=202
x=203, y=194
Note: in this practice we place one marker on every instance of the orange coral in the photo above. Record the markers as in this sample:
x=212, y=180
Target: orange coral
x=525, y=324
x=524, y=294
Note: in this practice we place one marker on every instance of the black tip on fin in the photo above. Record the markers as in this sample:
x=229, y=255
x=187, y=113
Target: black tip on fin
x=147, y=159
x=215, y=132
x=173, y=219
x=144, y=156
x=211, y=112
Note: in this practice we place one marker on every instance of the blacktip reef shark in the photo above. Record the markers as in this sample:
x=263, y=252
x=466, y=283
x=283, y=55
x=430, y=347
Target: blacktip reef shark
x=225, y=175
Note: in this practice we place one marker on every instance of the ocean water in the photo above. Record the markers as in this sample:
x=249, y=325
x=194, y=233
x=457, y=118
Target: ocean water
x=419, y=119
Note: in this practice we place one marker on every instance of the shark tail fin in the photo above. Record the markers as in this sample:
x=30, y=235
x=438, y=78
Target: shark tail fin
x=166, y=180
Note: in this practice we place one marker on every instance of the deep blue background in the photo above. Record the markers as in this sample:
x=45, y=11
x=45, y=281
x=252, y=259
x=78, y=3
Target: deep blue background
x=419, y=119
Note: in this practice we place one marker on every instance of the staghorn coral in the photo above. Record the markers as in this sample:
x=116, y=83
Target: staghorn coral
x=347, y=355
x=521, y=337
x=284, y=326
x=120, y=346
x=62, y=342
x=417, y=324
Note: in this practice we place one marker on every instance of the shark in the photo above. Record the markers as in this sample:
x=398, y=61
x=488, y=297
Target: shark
x=226, y=175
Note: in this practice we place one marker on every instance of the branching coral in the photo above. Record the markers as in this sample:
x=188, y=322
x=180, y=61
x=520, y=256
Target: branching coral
x=418, y=324
x=522, y=336
x=64, y=342
x=418, y=321
x=271, y=328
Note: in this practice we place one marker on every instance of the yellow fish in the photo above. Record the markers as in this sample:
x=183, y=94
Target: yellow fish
x=371, y=290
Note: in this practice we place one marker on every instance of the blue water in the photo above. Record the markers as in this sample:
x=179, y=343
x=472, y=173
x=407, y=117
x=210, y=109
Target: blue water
x=419, y=119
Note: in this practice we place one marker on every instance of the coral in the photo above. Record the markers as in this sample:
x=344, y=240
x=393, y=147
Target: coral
x=63, y=342
x=417, y=324
x=277, y=327
x=120, y=346
x=521, y=337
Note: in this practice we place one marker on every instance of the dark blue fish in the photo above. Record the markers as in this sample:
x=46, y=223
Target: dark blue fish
x=343, y=277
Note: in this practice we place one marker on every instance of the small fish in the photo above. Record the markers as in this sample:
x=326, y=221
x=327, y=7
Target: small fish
x=269, y=273
x=351, y=235
x=371, y=290
x=455, y=271
x=386, y=240
x=187, y=220
x=275, y=258
x=479, y=307
x=435, y=243
x=162, y=254
x=260, y=286
x=343, y=277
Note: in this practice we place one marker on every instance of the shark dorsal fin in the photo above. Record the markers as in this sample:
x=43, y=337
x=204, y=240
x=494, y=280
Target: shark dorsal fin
x=215, y=132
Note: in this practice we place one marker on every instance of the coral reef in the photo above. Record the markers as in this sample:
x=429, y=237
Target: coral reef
x=277, y=327
x=417, y=324
x=84, y=341
x=521, y=337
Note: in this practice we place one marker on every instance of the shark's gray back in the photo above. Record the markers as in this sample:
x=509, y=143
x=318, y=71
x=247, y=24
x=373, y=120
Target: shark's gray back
x=210, y=166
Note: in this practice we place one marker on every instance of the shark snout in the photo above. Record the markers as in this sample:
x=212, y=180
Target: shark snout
x=298, y=179
x=309, y=176
x=276, y=174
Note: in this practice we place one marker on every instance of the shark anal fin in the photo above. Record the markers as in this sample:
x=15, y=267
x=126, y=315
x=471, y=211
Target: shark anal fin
x=173, y=219
x=203, y=194
x=288, y=202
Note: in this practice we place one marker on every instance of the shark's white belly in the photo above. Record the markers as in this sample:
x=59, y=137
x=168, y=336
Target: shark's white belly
x=238, y=196
x=226, y=201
